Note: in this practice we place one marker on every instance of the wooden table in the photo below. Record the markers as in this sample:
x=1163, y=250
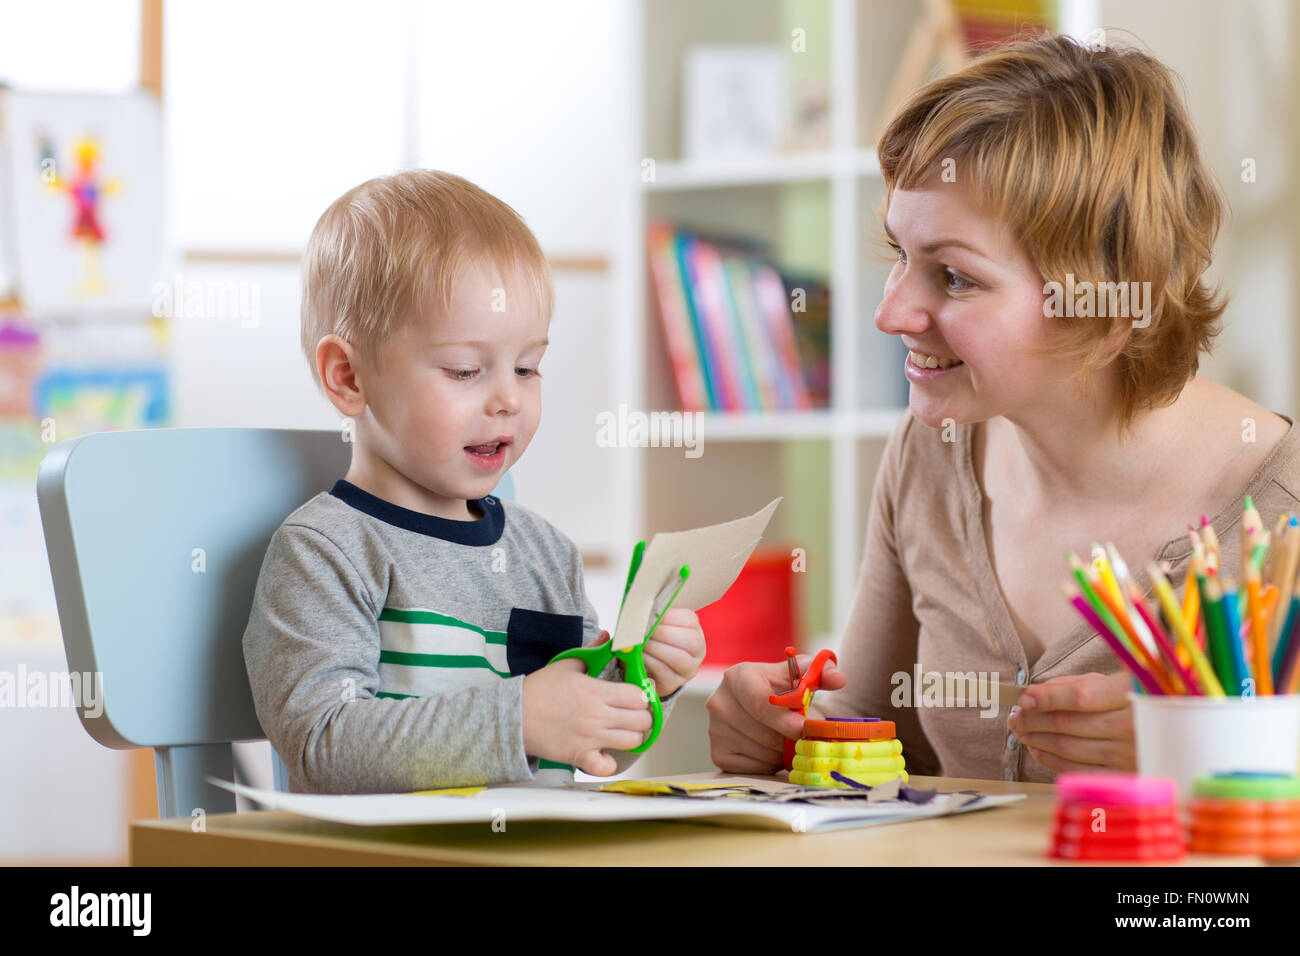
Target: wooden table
x=1013, y=835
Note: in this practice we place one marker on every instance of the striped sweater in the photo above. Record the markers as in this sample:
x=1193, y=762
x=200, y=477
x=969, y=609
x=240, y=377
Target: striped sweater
x=387, y=648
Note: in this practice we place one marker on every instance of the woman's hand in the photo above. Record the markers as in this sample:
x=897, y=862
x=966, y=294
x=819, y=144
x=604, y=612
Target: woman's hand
x=746, y=731
x=1081, y=722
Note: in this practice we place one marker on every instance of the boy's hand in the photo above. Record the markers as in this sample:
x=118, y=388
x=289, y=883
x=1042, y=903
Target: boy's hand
x=569, y=716
x=675, y=650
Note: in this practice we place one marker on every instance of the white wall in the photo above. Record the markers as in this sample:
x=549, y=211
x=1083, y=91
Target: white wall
x=314, y=98
x=1237, y=63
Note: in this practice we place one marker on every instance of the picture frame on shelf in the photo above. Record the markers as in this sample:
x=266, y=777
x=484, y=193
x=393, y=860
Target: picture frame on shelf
x=736, y=101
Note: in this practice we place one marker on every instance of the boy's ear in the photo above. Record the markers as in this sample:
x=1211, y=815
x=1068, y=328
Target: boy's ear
x=336, y=366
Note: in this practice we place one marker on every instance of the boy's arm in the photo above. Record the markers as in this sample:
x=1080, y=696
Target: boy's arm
x=312, y=653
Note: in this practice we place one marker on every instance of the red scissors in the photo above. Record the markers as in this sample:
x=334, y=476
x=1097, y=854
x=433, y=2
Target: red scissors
x=802, y=688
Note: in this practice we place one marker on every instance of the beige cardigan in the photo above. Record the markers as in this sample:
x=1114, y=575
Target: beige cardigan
x=932, y=599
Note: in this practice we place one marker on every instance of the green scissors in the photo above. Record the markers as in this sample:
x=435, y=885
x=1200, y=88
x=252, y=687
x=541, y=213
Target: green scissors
x=597, y=658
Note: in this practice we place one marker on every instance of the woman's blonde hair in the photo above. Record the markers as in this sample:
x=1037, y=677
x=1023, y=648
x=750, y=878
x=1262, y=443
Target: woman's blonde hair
x=1089, y=156
x=382, y=247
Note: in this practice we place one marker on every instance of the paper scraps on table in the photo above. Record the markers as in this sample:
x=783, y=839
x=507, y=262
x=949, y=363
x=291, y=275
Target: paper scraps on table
x=854, y=792
x=764, y=802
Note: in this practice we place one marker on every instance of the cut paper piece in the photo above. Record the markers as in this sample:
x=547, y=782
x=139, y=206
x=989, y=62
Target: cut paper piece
x=715, y=554
x=1008, y=693
x=768, y=804
x=879, y=792
x=656, y=787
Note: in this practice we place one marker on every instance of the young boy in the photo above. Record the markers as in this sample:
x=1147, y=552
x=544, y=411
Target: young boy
x=403, y=621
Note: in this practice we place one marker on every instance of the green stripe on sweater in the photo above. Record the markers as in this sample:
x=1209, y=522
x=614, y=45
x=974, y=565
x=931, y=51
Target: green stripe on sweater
x=438, y=660
x=433, y=617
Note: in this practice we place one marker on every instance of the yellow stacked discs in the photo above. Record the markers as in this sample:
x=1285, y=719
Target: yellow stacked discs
x=862, y=750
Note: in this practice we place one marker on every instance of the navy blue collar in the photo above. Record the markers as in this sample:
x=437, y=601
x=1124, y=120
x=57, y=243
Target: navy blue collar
x=483, y=531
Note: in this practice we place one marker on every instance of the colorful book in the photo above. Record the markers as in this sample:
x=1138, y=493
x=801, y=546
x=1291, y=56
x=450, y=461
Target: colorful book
x=812, y=334
x=733, y=340
x=780, y=325
x=714, y=316
x=683, y=244
x=679, y=334
x=758, y=352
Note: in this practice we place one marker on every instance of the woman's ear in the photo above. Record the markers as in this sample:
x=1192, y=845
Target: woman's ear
x=1116, y=339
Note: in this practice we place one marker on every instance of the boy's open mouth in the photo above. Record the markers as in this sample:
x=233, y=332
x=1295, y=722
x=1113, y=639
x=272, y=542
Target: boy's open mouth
x=488, y=449
x=490, y=455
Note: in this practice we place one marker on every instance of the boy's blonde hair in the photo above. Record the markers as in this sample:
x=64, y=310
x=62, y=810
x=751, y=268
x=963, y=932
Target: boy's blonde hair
x=382, y=247
x=1089, y=156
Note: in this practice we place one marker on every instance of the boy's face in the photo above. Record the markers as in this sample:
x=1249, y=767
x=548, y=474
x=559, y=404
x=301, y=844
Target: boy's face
x=459, y=397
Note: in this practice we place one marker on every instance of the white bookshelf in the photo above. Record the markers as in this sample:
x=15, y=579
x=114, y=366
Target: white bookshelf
x=823, y=461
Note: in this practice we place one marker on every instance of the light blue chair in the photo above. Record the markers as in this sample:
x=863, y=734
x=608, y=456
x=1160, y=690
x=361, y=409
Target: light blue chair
x=155, y=539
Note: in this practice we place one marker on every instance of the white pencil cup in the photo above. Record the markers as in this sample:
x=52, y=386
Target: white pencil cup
x=1186, y=737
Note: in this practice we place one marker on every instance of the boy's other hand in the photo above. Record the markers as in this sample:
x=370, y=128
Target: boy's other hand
x=569, y=716
x=675, y=651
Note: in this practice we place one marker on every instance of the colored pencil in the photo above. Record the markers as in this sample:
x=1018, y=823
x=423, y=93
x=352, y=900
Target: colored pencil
x=1251, y=522
x=1115, y=644
x=1269, y=598
x=1191, y=604
x=1085, y=586
x=1270, y=564
x=1103, y=568
x=1251, y=529
x=1232, y=638
x=1135, y=644
x=1210, y=538
x=1120, y=569
x=1216, y=626
x=1204, y=672
x=1263, y=670
x=1260, y=550
x=1285, y=572
x=1287, y=675
x=1184, y=679
x=1284, y=642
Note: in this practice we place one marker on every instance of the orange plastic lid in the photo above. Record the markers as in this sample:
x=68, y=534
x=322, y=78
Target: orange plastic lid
x=1245, y=809
x=1246, y=846
x=849, y=729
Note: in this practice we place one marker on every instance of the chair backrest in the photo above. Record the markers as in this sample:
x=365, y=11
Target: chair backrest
x=155, y=540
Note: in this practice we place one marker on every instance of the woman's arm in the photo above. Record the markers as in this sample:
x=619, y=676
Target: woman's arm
x=881, y=638
x=746, y=732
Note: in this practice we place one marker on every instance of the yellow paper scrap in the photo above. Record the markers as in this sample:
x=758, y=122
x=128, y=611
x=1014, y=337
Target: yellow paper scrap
x=644, y=787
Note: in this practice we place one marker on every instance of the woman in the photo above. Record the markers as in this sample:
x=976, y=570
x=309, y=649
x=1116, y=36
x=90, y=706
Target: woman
x=1039, y=421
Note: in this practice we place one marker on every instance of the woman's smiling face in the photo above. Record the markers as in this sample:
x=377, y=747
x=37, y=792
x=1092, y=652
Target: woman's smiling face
x=963, y=289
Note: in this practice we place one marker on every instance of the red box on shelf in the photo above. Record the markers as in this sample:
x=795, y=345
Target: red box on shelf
x=756, y=619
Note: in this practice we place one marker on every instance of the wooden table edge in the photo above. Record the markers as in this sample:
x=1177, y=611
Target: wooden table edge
x=239, y=839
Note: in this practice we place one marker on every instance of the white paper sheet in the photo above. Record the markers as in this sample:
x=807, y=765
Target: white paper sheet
x=523, y=802
x=715, y=554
